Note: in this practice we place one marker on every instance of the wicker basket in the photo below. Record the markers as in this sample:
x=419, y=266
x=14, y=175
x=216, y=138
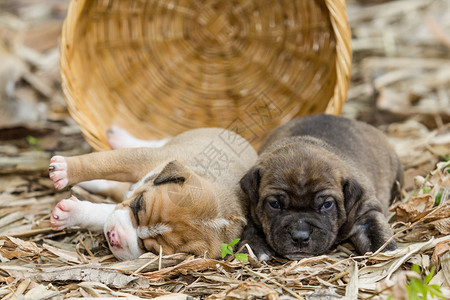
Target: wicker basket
x=159, y=68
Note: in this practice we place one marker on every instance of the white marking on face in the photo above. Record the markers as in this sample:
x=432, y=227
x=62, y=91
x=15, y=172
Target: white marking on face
x=145, y=232
x=120, y=221
x=138, y=184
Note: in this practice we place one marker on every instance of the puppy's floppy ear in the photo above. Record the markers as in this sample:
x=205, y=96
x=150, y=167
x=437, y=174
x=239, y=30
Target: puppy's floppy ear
x=366, y=222
x=353, y=191
x=173, y=172
x=250, y=183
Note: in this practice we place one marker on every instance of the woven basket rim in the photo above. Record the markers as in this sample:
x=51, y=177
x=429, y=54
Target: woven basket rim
x=341, y=31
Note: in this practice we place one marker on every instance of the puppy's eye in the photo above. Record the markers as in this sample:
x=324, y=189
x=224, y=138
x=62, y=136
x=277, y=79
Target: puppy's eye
x=275, y=204
x=327, y=204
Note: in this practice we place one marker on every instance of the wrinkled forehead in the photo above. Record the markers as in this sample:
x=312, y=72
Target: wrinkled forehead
x=309, y=172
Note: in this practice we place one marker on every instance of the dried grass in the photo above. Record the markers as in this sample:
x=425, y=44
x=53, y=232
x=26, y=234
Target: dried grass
x=400, y=81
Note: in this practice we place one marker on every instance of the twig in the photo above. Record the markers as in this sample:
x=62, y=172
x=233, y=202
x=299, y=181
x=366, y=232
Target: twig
x=86, y=248
x=147, y=264
x=31, y=232
x=274, y=282
x=345, y=250
x=377, y=293
x=231, y=257
x=338, y=276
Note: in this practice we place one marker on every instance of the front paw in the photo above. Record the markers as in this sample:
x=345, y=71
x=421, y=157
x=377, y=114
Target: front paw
x=58, y=172
x=65, y=214
x=262, y=251
x=372, y=233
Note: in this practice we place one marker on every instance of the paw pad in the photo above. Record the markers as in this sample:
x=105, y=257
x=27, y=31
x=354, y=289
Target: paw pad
x=64, y=213
x=58, y=172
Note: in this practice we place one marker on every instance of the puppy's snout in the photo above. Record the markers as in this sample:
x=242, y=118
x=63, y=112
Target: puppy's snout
x=113, y=238
x=300, y=233
x=301, y=237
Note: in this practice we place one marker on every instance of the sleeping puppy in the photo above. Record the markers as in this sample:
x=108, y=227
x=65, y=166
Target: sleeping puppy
x=186, y=199
x=320, y=180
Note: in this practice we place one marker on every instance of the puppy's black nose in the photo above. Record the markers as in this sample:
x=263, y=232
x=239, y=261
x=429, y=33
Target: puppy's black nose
x=300, y=237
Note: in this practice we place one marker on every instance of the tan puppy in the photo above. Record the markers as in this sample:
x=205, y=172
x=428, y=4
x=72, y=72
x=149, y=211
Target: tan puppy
x=186, y=199
x=320, y=180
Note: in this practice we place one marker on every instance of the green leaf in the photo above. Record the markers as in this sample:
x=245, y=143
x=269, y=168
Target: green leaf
x=241, y=257
x=435, y=290
x=437, y=200
x=430, y=275
x=415, y=268
x=234, y=242
x=426, y=190
x=32, y=140
x=225, y=251
x=415, y=287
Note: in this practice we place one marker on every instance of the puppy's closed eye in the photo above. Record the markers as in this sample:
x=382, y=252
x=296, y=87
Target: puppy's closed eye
x=136, y=205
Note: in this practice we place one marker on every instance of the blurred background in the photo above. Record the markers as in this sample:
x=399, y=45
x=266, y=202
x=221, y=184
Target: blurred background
x=400, y=77
x=400, y=83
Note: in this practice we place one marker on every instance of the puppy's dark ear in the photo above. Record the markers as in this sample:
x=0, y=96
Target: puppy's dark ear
x=353, y=191
x=173, y=172
x=250, y=183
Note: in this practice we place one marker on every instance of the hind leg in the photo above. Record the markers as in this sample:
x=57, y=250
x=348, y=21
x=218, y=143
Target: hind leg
x=108, y=188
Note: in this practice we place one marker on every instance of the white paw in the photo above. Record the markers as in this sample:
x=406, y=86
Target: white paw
x=65, y=213
x=119, y=138
x=58, y=172
x=263, y=257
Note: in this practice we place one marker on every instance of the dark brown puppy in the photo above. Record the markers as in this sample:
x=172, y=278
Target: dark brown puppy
x=320, y=180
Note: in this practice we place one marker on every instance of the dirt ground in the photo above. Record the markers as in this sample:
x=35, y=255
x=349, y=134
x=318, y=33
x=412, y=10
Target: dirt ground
x=400, y=83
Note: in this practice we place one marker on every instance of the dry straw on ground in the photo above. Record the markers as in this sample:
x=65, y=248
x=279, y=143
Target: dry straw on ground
x=400, y=82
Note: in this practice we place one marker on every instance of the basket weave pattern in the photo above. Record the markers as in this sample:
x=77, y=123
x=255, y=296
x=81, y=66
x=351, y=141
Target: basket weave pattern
x=159, y=68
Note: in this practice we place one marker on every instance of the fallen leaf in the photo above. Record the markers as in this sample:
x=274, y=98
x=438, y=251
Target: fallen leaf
x=25, y=245
x=416, y=205
x=64, y=254
x=85, y=272
x=440, y=249
x=351, y=291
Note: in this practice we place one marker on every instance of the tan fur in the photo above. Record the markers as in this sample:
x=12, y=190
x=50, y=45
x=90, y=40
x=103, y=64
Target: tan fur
x=190, y=207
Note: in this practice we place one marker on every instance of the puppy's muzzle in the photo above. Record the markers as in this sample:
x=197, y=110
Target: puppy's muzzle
x=300, y=233
x=112, y=238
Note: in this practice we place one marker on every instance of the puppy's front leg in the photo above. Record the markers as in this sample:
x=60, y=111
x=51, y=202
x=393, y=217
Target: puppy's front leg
x=253, y=236
x=371, y=232
x=87, y=215
x=126, y=165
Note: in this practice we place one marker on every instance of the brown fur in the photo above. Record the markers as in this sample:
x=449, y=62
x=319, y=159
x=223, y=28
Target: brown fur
x=202, y=211
x=304, y=166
